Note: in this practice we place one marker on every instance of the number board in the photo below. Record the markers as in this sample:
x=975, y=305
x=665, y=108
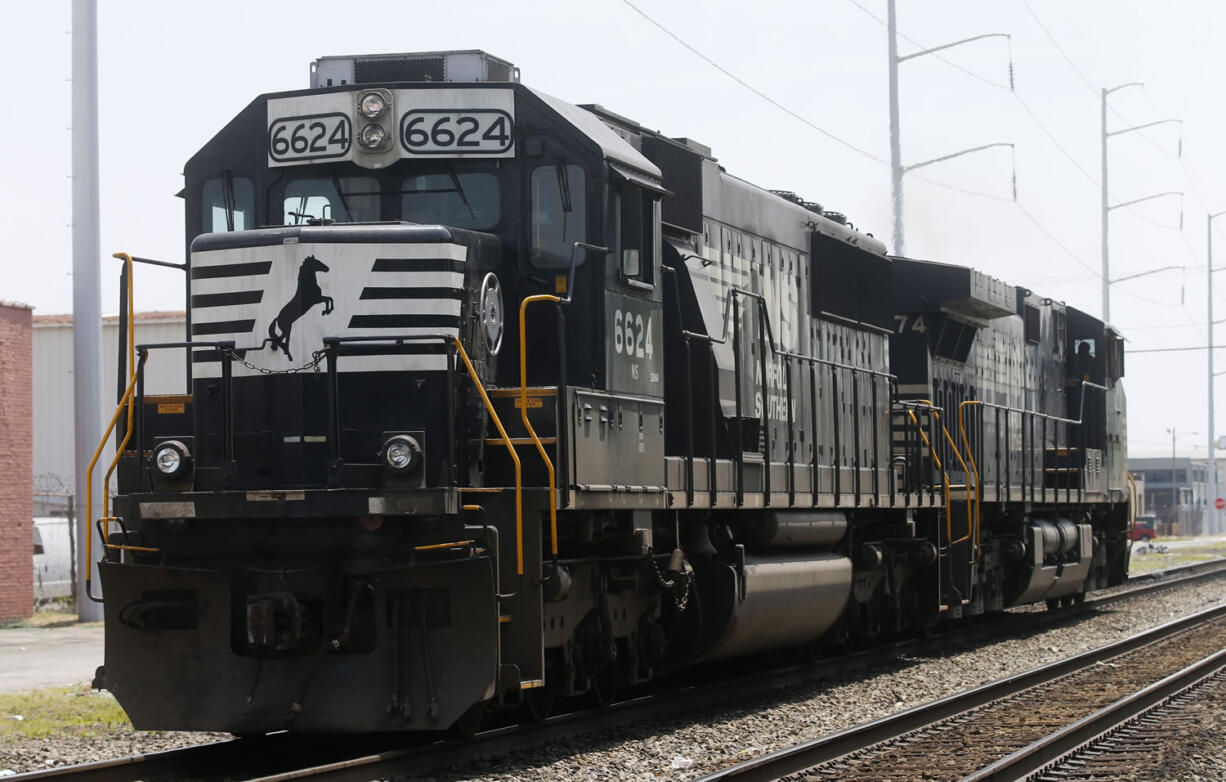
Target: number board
x=634, y=347
x=320, y=127
x=315, y=137
x=462, y=131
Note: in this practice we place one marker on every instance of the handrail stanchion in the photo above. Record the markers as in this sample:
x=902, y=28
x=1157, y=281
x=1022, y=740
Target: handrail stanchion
x=125, y=399
x=523, y=389
x=970, y=455
x=519, y=501
x=937, y=460
x=523, y=413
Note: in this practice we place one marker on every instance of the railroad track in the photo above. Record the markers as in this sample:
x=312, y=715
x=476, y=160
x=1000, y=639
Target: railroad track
x=291, y=756
x=1159, y=736
x=1014, y=727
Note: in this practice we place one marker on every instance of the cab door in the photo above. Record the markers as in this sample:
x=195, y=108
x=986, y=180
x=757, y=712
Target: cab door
x=621, y=441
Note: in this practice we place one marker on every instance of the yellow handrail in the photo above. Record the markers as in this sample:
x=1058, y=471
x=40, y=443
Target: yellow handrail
x=439, y=546
x=523, y=410
x=949, y=527
x=519, y=486
x=970, y=454
x=937, y=460
x=126, y=399
x=106, y=520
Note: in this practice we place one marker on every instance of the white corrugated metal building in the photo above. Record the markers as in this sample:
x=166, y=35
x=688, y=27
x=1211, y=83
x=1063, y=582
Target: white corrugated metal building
x=54, y=475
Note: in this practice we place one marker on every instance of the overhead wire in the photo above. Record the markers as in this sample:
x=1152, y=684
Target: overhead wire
x=1118, y=114
x=1030, y=112
x=877, y=159
x=1034, y=117
x=796, y=115
x=828, y=134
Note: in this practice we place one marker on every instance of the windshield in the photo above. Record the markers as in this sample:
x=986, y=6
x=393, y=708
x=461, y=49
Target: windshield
x=345, y=199
x=457, y=199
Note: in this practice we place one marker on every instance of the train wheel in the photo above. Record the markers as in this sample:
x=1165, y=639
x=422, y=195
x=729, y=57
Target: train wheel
x=470, y=721
x=539, y=703
x=604, y=685
x=1053, y=603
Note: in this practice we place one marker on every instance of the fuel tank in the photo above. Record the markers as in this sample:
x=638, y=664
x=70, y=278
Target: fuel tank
x=771, y=601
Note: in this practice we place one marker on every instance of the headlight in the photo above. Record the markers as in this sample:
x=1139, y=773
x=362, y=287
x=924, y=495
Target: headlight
x=372, y=105
x=171, y=457
x=373, y=136
x=401, y=453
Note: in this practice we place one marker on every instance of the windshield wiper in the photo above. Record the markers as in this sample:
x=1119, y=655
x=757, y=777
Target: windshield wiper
x=227, y=198
x=341, y=195
x=564, y=192
x=459, y=189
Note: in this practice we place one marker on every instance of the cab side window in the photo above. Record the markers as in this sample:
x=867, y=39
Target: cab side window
x=637, y=235
x=559, y=214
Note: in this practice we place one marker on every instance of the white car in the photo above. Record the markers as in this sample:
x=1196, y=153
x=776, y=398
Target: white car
x=53, y=553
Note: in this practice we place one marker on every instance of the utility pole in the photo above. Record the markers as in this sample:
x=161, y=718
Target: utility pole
x=86, y=294
x=895, y=142
x=896, y=167
x=1211, y=507
x=1174, y=517
x=1106, y=207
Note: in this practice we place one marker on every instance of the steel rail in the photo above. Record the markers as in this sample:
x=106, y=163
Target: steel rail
x=285, y=756
x=806, y=755
x=1038, y=755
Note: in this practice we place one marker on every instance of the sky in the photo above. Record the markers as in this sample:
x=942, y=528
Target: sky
x=172, y=74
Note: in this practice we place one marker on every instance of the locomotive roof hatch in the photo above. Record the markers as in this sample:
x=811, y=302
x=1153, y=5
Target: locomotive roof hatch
x=471, y=65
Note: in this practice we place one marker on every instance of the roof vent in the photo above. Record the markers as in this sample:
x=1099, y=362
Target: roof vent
x=788, y=195
x=463, y=66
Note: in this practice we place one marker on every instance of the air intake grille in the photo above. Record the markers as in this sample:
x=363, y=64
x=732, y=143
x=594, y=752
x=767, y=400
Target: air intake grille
x=399, y=69
x=498, y=71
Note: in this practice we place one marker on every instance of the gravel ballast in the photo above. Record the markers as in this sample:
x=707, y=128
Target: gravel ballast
x=685, y=749
x=677, y=749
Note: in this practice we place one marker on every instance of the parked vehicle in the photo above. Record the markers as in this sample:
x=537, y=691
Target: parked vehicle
x=52, y=558
x=1143, y=529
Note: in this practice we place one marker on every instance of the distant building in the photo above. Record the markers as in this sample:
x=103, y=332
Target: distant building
x=1176, y=491
x=16, y=475
x=54, y=451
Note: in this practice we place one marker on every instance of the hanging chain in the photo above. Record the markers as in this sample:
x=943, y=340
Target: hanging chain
x=316, y=358
x=687, y=580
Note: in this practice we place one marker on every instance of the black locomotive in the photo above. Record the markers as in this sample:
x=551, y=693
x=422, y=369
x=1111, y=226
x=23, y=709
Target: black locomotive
x=495, y=400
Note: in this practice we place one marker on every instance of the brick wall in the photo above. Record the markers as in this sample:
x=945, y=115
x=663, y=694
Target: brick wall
x=16, y=460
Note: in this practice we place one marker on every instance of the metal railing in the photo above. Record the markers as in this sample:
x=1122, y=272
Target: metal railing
x=559, y=442
x=934, y=413
x=766, y=341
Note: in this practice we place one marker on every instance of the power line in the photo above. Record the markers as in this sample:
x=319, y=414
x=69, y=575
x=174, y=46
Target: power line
x=795, y=115
x=1059, y=48
x=1173, y=350
x=948, y=62
x=865, y=153
x=755, y=90
x=1119, y=115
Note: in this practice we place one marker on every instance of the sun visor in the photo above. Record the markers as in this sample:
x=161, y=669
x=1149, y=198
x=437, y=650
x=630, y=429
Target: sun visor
x=634, y=177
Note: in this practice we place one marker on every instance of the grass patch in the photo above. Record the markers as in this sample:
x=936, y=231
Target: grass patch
x=1175, y=557
x=61, y=712
x=59, y=612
